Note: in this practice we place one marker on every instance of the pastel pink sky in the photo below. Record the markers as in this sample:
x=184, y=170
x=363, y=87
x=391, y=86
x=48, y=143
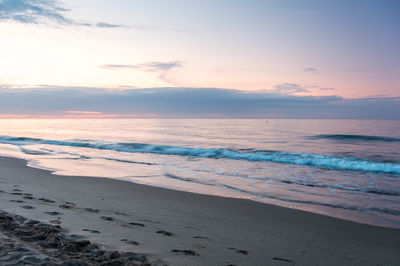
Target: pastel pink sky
x=184, y=59
x=329, y=48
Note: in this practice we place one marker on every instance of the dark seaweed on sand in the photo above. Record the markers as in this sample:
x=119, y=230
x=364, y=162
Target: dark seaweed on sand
x=60, y=248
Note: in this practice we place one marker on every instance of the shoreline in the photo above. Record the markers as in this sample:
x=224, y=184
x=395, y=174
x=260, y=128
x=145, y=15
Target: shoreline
x=184, y=228
x=326, y=210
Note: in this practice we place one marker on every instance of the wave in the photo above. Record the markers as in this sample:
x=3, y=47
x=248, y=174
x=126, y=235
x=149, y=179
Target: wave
x=279, y=198
x=304, y=183
x=370, y=190
x=316, y=160
x=356, y=137
x=33, y=152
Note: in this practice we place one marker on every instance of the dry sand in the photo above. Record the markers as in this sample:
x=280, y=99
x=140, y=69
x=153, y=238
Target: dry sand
x=46, y=218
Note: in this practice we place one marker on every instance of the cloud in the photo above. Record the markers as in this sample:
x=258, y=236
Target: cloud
x=107, y=25
x=311, y=69
x=83, y=112
x=43, y=12
x=150, y=66
x=33, y=11
x=190, y=103
x=289, y=88
x=161, y=68
x=327, y=89
x=376, y=96
x=135, y=27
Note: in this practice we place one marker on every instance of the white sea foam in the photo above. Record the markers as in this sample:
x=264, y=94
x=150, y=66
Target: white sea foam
x=314, y=160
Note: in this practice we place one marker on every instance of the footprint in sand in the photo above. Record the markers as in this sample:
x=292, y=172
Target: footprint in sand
x=240, y=251
x=55, y=221
x=91, y=210
x=165, y=233
x=131, y=242
x=185, y=252
x=107, y=218
x=29, y=197
x=16, y=193
x=121, y=213
x=18, y=190
x=65, y=206
x=17, y=201
x=137, y=224
x=46, y=200
x=28, y=207
x=53, y=213
x=202, y=237
x=91, y=231
x=281, y=259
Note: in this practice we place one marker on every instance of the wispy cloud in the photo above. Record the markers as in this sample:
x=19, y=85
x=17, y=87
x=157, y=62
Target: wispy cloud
x=134, y=27
x=150, y=66
x=107, y=25
x=376, y=96
x=161, y=68
x=311, y=69
x=49, y=12
x=83, y=112
x=327, y=89
x=289, y=88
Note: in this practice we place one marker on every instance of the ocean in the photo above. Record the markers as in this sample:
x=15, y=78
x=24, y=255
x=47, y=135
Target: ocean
x=348, y=169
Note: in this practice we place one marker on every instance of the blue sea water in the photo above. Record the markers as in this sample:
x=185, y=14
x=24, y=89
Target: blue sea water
x=343, y=168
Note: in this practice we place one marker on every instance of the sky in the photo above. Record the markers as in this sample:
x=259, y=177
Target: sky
x=180, y=58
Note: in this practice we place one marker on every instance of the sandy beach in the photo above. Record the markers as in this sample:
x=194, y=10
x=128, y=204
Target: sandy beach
x=199, y=133
x=53, y=219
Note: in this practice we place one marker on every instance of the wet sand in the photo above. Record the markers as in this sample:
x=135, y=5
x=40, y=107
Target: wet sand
x=45, y=218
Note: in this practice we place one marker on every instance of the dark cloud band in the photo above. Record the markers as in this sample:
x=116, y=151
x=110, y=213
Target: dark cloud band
x=194, y=102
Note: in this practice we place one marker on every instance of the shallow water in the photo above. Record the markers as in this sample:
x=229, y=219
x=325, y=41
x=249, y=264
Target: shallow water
x=343, y=168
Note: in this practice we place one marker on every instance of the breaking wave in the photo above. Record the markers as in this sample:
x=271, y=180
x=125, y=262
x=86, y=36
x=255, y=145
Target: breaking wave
x=355, y=137
x=316, y=160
